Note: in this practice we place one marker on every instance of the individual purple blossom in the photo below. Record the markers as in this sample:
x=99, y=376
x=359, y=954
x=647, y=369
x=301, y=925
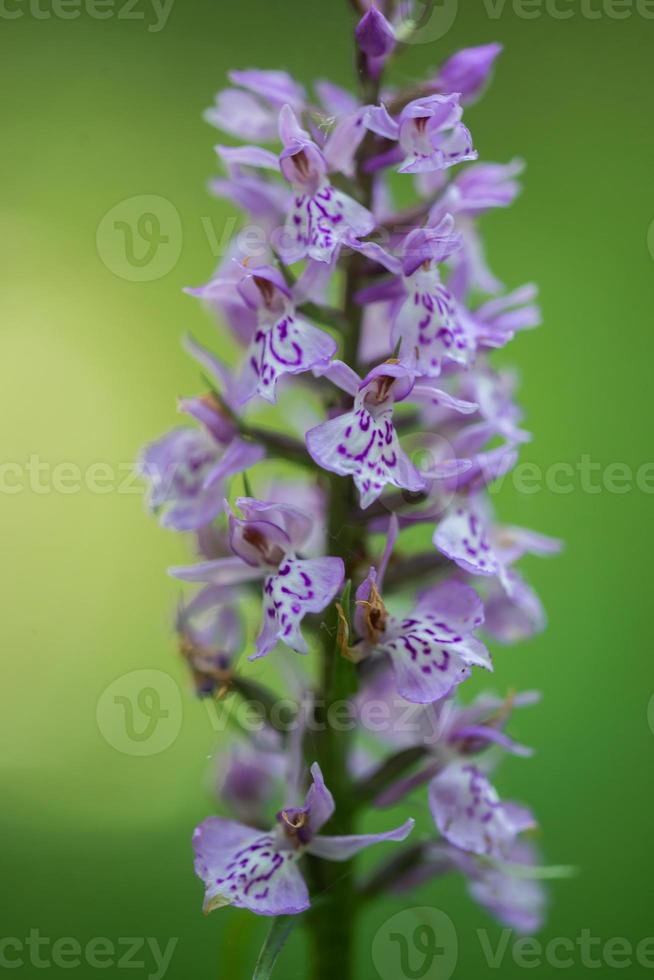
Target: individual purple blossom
x=264, y=544
x=515, y=617
x=428, y=322
x=248, y=868
x=283, y=342
x=510, y=891
x=468, y=812
x=467, y=71
x=247, y=775
x=451, y=732
x=210, y=635
x=362, y=442
x=321, y=217
x=187, y=470
x=429, y=132
x=432, y=648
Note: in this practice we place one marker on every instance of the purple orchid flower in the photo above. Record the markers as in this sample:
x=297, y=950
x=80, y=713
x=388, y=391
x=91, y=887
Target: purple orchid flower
x=510, y=891
x=469, y=813
x=429, y=132
x=466, y=536
x=432, y=648
x=363, y=442
x=428, y=323
x=243, y=867
x=187, y=470
x=321, y=216
x=263, y=545
x=210, y=634
x=247, y=776
x=280, y=342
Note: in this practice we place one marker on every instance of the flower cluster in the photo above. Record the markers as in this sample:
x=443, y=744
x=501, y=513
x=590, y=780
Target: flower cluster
x=365, y=371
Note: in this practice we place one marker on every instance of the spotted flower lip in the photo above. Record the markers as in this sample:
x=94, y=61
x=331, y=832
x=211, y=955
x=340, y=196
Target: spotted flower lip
x=469, y=813
x=246, y=868
x=363, y=442
x=432, y=648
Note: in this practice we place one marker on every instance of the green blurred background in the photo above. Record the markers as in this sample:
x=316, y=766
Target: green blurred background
x=97, y=842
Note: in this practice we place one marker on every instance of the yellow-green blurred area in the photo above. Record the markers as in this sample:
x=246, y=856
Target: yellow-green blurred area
x=97, y=841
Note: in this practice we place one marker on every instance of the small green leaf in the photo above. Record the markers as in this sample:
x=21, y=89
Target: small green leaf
x=277, y=935
x=246, y=486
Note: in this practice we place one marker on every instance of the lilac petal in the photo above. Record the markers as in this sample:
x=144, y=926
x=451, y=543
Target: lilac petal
x=378, y=120
x=428, y=395
x=343, y=143
x=296, y=523
x=375, y=252
x=429, y=327
x=454, y=602
x=340, y=374
x=259, y=543
x=220, y=571
x=467, y=71
x=375, y=35
x=429, y=658
x=176, y=467
x=516, y=902
x=275, y=86
x=488, y=185
x=462, y=536
x=247, y=868
x=343, y=848
x=511, y=620
x=337, y=101
x=240, y=456
x=319, y=222
x=290, y=346
x=242, y=115
x=300, y=586
x=319, y=802
x=205, y=411
x=247, y=156
x=469, y=814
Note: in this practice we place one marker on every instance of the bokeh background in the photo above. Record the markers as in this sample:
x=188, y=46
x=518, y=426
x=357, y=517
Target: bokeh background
x=96, y=842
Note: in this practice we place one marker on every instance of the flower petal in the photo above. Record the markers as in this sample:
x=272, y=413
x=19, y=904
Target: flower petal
x=469, y=813
x=246, y=868
x=299, y=587
x=343, y=848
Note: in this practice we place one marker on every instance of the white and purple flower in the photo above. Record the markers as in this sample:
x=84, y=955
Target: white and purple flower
x=248, y=868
